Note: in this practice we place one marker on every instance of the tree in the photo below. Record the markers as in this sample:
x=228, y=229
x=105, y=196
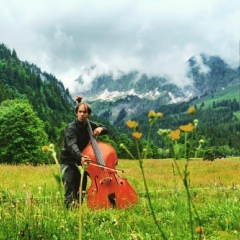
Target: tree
x=3, y=93
x=22, y=133
x=209, y=155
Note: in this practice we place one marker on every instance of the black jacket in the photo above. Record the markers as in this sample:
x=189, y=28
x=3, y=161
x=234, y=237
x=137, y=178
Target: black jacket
x=76, y=139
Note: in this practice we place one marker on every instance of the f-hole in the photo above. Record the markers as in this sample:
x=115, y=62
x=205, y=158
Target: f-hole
x=112, y=199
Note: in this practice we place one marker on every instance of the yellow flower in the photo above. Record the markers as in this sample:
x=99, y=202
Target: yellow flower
x=199, y=229
x=131, y=124
x=175, y=135
x=137, y=135
x=152, y=114
x=191, y=110
x=45, y=148
x=159, y=115
x=187, y=128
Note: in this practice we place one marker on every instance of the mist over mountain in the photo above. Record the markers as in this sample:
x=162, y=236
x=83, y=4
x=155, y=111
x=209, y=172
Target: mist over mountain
x=118, y=97
x=210, y=74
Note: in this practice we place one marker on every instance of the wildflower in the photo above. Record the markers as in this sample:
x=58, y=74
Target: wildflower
x=160, y=132
x=152, y=114
x=51, y=146
x=85, y=165
x=131, y=124
x=195, y=121
x=201, y=141
x=191, y=111
x=159, y=115
x=167, y=131
x=199, y=230
x=175, y=135
x=137, y=135
x=187, y=128
x=122, y=145
x=163, y=131
x=45, y=148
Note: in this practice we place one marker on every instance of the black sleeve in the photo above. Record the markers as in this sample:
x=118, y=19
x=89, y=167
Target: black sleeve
x=71, y=141
x=94, y=126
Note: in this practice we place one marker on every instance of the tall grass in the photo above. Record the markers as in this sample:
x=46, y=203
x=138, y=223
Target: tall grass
x=179, y=150
x=190, y=199
x=31, y=206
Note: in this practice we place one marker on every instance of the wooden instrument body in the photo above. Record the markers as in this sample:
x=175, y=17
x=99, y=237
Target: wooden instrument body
x=108, y=189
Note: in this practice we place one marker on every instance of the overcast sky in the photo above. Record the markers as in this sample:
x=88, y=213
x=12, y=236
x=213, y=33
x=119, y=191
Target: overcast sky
x=152, y=36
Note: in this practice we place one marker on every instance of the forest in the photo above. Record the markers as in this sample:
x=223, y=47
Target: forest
x=35, y=108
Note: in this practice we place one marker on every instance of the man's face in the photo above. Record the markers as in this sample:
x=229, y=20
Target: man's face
x=82, y=114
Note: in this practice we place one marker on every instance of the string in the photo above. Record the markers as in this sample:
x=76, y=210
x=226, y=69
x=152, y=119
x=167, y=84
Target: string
x=96, y=148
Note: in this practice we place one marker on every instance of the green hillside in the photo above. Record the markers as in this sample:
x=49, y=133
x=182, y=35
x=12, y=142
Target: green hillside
x=47, y=95
x=218, y=113
x=229, y=93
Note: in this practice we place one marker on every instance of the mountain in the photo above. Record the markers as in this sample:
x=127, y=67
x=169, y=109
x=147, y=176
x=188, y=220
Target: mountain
x=214, y=91
x=118, y=99
x=211, y=74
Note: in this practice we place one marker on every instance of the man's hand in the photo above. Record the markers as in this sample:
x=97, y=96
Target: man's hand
x=97, y=131
x=85, y=159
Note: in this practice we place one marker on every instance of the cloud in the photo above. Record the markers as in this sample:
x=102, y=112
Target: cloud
x=154, y=37
x=202, y=67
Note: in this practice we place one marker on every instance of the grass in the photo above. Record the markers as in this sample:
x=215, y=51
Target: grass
x=31, y=204
x=229, y=93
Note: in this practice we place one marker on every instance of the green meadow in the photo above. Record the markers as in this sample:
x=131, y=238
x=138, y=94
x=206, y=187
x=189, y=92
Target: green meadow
x=31, y=203
x=230, y=92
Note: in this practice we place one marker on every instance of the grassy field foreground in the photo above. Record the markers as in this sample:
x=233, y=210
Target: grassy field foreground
x=31, y=204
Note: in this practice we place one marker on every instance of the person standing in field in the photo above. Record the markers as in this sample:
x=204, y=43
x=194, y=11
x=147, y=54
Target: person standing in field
x=75, y=140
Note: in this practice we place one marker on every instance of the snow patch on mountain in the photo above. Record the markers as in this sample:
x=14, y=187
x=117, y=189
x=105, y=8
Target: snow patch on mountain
x=114, y=95
x=180, y=99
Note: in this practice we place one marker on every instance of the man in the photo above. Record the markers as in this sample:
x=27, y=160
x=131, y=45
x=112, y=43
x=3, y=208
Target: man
x=75, y=140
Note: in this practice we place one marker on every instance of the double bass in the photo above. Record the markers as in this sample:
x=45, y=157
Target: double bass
x=107, y=189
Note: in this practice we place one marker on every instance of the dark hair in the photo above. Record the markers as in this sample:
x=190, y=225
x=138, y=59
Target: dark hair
x=80, y=103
